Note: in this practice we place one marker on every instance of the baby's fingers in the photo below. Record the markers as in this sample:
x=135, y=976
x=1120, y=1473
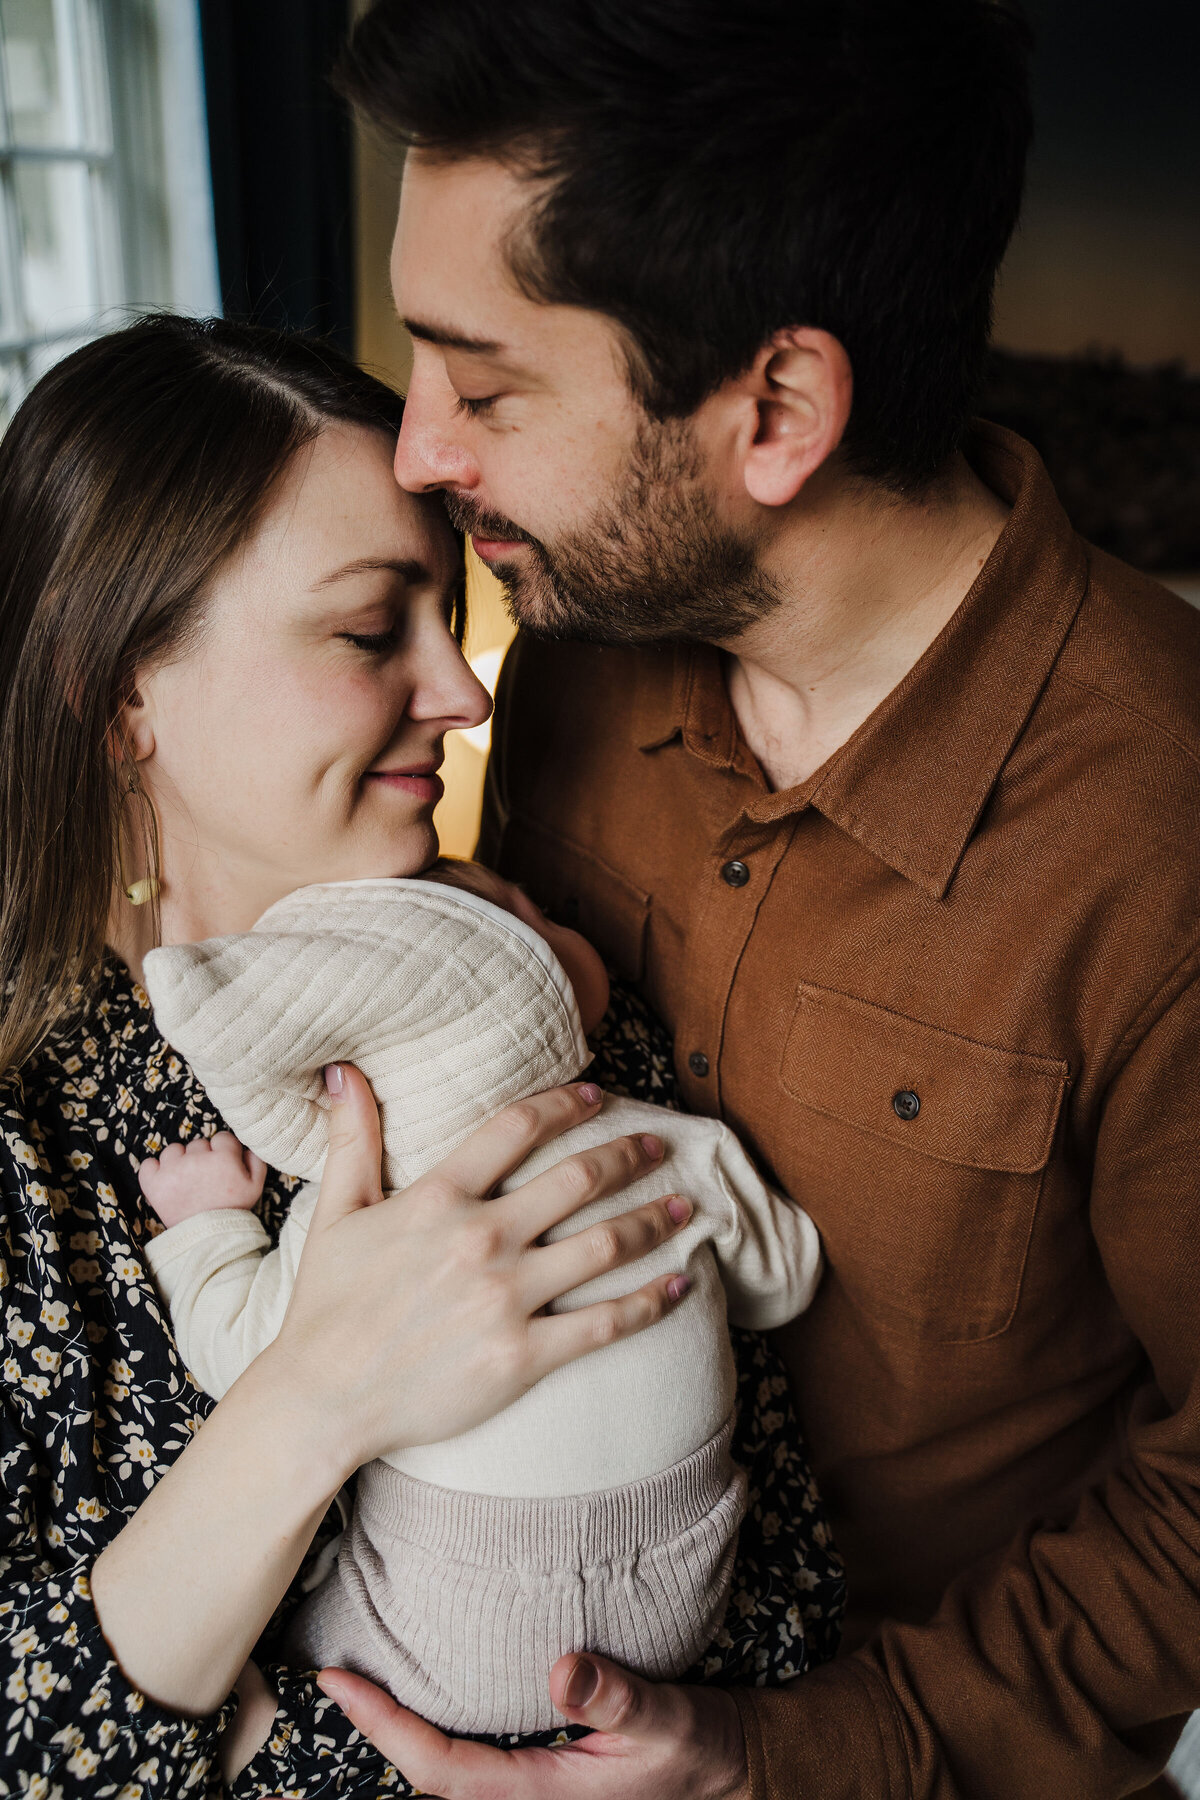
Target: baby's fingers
x=562, y=1337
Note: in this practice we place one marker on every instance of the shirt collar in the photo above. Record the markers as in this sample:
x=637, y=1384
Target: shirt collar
x=911, y=782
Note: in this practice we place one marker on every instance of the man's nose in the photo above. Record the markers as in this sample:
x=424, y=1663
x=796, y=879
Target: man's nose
x=427, y=453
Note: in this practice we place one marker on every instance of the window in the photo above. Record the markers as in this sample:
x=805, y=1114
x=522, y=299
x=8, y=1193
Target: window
x=105, y=201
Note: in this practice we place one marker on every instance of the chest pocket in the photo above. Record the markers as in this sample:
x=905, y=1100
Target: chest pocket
x=575, y=887
x=921, y=1156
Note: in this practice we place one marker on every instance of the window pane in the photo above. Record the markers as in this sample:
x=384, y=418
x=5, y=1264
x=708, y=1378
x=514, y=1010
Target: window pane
x=55, y=228
x=12, y=387
x=35, y=71
x=44, y=356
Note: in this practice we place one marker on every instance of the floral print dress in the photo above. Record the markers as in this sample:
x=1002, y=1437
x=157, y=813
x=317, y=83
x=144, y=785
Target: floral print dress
x=97, y=1404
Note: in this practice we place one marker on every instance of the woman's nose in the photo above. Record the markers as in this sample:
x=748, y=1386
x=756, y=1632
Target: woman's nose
x=455, y=695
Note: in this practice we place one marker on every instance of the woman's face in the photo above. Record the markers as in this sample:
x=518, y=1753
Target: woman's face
x=297, y=739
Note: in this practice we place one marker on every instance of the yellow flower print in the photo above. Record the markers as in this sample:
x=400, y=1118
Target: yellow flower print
x=54, y=1315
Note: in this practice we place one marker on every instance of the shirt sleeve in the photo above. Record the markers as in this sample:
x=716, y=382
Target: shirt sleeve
x=769, y=1253
x=1067, y=1664
x=226, y=1288
x=72, y=1724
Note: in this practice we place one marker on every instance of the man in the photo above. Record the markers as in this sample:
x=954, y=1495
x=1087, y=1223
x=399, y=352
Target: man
x=834, y=736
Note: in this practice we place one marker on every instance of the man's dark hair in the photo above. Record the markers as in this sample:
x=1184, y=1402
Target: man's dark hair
x=719, y=170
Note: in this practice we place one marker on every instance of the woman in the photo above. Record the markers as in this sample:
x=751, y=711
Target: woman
x=228, y=665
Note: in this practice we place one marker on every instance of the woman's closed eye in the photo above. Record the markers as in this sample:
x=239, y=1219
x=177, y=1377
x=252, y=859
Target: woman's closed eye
x=373, y=643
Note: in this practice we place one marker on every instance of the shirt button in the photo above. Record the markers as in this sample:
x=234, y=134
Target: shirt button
x=735, y=873
x=698, y=1063
x=906, y=1105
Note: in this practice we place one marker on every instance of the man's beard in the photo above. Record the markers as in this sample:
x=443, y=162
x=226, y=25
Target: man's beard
x=653, y=563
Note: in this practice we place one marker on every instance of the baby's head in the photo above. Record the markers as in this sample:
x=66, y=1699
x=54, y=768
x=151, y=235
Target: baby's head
x=581, y=961
x=448, y=994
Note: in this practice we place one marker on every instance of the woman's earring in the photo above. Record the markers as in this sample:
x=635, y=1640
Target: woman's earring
x=138, y=893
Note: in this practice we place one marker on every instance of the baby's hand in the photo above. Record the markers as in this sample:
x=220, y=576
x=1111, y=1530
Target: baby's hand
x=205, y=1175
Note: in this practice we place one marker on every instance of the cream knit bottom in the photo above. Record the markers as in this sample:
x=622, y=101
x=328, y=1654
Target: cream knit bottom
x=460, y=1604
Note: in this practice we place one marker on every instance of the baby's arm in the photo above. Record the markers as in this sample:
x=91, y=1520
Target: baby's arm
x=225, y=1288
x=768, y=1252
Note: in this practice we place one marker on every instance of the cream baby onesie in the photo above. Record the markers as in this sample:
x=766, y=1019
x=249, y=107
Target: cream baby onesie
x=601, y=1510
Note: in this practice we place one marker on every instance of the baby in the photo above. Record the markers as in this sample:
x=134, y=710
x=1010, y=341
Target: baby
x=601, y=1510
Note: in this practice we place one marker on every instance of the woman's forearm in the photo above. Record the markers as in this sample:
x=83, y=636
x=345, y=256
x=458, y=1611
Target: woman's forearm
x=185, y=1590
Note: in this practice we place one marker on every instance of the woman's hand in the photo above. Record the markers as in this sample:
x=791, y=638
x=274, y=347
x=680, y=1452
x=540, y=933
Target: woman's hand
x=419, y=1315
x=650, y=1741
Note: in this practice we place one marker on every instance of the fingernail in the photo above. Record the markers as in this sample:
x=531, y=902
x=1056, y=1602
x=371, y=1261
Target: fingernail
x=589, y=1093
x=679, y=1209
x=335, y=1081
x=581, y=1684
x=653, y=1147
x=678, y=1286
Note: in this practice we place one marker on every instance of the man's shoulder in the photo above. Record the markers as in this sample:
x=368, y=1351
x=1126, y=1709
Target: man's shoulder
x=1134, y=649
x=565, y=692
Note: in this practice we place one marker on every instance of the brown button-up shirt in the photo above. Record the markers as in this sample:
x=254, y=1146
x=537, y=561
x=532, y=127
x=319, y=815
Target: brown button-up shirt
x=951, y=1002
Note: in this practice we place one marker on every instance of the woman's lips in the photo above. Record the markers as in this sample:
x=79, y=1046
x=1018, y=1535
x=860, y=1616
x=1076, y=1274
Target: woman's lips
x=494, y=549
x=423, y=784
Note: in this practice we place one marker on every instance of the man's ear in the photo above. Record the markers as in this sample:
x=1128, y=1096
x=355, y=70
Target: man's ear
x=801, y=387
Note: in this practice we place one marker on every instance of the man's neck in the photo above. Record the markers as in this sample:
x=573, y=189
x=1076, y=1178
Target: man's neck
x=868, y=584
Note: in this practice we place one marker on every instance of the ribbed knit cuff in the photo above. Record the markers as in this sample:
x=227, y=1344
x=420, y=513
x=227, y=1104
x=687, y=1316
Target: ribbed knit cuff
x=574, y=1531
x=827, y=1736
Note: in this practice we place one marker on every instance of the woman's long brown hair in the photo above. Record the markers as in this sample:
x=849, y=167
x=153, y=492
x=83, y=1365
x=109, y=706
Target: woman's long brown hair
x=128, y=475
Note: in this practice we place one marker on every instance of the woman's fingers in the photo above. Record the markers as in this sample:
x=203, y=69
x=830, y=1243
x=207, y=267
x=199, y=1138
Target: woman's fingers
x=560, y=1338
x=553, y=1270
x=574, y=1182
x=486, y=1158
x=354, y=1159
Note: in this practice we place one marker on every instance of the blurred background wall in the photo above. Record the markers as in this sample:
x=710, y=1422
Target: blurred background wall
x=190, y=154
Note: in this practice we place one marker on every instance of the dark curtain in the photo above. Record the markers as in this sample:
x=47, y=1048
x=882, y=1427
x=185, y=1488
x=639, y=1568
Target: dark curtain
x=279, y=141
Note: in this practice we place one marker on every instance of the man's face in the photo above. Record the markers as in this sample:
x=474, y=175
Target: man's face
x=600, y=521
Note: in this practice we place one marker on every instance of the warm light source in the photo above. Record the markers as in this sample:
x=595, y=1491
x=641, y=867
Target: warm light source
x=487, y=667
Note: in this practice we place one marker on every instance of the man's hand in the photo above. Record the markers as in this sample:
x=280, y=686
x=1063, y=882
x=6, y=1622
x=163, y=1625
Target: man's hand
x=650, y=1741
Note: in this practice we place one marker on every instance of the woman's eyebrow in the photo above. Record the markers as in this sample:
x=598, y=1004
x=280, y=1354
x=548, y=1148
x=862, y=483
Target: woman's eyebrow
x=408, y=568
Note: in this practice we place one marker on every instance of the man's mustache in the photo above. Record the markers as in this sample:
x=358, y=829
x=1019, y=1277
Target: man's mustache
x=469, y=516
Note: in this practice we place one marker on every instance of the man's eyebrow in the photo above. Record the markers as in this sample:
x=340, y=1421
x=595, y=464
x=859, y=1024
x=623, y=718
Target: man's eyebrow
x=408, y=568
x=447, y=339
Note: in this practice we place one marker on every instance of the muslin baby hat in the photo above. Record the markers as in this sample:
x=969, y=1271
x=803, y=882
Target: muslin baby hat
x=450, y=1006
